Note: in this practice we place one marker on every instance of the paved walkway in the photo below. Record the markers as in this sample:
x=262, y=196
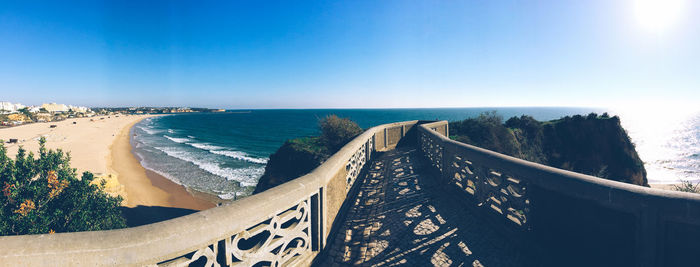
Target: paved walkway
x=401, y=216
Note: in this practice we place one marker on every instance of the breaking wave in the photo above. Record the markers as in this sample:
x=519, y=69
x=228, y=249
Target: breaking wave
x=239, y=156
x=176, y=139
x=245, y=176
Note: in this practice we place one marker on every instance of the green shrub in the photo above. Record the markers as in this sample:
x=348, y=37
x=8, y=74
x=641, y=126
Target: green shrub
x=299, y=156
x=336, y=131
x=591, y=144
x=43, y=195
x=487, y=131
x=687, y=186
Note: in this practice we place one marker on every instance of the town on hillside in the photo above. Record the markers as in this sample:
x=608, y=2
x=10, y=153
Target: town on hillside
x=13, y=114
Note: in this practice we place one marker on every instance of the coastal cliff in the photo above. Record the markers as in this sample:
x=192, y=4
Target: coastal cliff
x=294, y=158
x=593, y=145
x=300, y=156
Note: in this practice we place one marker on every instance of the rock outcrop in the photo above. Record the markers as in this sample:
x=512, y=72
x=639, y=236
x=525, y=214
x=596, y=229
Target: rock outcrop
x=294, y=158
x=594, y=145
x=300, y=156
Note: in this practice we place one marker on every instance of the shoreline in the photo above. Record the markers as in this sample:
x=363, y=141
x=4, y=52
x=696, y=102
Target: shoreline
x=144, y=187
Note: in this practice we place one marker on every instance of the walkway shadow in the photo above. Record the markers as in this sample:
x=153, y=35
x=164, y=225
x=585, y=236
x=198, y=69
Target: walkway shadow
x=142, y=215
x=401, y=216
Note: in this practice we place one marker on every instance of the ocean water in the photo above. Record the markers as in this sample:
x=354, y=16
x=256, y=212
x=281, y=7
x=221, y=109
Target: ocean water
x=225, y=153
x=667, y=142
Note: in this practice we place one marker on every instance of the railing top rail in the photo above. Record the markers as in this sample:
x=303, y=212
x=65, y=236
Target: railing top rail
x=606, y=192
x=167, y=239
x=339, y=159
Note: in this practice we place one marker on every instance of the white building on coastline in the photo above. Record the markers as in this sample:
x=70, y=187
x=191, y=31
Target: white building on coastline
x=8, y=107
x=54, y=108
x=78, y=109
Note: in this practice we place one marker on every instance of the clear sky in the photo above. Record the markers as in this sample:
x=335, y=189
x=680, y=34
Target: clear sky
x=351, y=54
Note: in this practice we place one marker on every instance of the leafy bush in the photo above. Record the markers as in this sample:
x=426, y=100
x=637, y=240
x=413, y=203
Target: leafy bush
x=44, y=195
x=299, y=156
x=487, y=131
x=336, y=131
x=591, y=144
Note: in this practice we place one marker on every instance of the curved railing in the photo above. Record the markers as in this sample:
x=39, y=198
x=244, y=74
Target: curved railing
x=285, y=225
x=577, y=218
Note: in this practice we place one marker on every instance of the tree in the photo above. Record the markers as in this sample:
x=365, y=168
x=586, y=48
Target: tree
x=44, y=195
x=336, y=131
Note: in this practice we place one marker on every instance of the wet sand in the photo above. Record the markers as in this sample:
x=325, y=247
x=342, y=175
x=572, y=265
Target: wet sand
x=144, y=187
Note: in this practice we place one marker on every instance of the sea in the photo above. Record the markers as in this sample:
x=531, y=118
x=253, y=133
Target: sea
x=224, y=154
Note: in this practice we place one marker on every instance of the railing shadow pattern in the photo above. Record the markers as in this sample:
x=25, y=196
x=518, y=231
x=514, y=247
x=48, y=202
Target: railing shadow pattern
x=579, y=220
x=287, y=225
x=405, y=213
x=401, y=216
x=490, y=186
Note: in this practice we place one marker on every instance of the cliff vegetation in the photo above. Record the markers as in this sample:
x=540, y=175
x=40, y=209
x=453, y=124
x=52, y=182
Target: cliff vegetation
x=592, y=144
x=300, y=156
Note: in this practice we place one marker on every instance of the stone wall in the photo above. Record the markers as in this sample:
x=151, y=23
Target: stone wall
x=285, y=225
x=579, y=219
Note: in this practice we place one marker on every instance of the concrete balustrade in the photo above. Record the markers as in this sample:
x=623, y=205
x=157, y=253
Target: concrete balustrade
x=285, y=225
x=574, y=219
x=577, y=219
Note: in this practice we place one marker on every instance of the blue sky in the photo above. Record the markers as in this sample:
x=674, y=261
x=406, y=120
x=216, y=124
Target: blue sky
x=350, y=54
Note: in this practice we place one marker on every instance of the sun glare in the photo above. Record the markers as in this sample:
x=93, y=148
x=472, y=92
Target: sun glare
x=658, y=15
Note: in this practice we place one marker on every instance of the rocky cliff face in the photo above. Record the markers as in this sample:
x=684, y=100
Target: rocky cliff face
x=293, y=159
x=594, y=145
x=300, y=156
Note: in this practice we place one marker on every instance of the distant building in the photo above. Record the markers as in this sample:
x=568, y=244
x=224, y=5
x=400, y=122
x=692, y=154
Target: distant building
x=55, y=108
x=8, y=107
x=78, y=109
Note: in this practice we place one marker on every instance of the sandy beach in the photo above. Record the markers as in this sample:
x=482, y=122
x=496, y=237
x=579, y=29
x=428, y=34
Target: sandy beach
x=102, y=145
x=663, y=186
x=145, y=187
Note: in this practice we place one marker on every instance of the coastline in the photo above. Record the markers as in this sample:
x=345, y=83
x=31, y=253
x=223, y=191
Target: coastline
x=144, y=187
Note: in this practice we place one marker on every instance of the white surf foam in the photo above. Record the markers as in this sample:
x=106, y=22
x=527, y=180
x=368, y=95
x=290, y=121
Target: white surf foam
x=176, y=139
x=149, y=130
x=205, y=146
x=239, y=156
x=245, y=176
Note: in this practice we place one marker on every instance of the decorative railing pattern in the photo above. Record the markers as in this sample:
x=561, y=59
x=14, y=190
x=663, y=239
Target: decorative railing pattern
x=490, y=187
x=290, y=224
x=284, y=226
x=275, y=242
x=432, y=150
x=570, y=212
x=357, y=161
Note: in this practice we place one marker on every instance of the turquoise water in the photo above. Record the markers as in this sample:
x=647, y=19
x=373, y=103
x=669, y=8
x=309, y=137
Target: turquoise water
x=225, y=153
